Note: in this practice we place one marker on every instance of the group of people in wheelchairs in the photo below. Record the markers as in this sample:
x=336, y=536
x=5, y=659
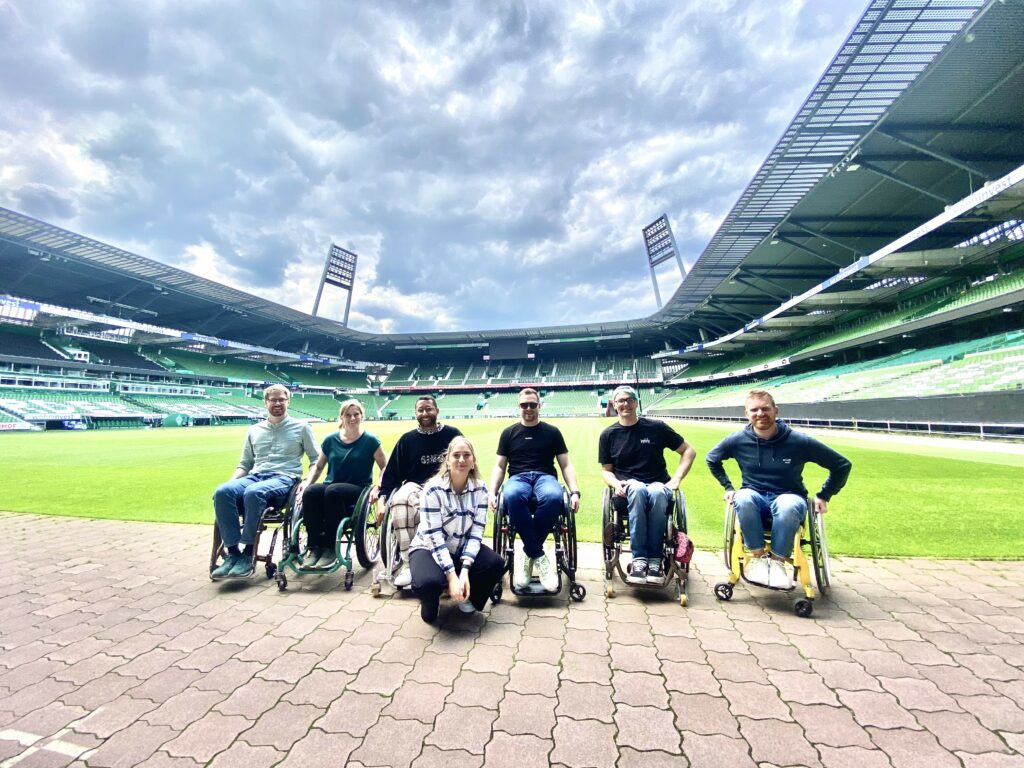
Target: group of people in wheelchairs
x=428, y=527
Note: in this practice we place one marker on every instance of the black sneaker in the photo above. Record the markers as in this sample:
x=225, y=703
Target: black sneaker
x=428, y=610
x=655, y=573
x=637, y=572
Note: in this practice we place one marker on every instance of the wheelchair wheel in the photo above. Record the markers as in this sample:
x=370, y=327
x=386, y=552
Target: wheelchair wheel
x=679, y=513
x=571, y=550
x=608, y=531
x=502, y=541
x=218, y=548
x=729, y=534
x=365, y=531
x=819, y=551
x=388, y=545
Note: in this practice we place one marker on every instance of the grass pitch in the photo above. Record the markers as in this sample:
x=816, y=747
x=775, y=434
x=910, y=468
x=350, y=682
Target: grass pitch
x=903, y=499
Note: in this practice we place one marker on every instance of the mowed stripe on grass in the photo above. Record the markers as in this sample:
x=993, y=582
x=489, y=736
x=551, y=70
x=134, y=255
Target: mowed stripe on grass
x=903, y=499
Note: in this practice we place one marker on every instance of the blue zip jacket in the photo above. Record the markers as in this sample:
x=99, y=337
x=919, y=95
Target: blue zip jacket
x=777, y=465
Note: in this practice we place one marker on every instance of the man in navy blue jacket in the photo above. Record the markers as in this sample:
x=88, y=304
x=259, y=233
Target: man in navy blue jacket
x=771, y=457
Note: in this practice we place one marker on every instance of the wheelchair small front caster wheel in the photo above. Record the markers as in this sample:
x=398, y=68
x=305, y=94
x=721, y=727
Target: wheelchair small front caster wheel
x=723, y=590
x=803, y=608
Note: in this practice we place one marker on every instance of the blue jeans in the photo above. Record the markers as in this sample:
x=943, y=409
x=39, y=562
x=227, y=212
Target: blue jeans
x=533, y=530
x=648, y=518
x=254, y=492
x=782, y=513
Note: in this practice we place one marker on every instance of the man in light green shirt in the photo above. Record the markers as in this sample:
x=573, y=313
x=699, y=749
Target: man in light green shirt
x=271, y=463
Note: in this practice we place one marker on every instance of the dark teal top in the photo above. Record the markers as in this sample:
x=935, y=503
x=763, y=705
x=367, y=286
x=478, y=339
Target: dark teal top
x=351, y=463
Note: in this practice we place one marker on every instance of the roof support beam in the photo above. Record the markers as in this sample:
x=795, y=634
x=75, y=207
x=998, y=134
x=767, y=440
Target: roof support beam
x=805, y=249
x=893, y=177
x=773, y=296
x=926, y=150
x=826, y=238
x=717, y=305
x=785, y=291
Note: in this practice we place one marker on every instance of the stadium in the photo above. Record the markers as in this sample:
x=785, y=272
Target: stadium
x=870, y=275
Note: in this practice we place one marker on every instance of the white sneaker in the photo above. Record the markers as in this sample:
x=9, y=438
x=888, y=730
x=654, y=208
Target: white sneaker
x=466, y=607
x=404, y=577
x=778, y=575
x=524, y=575
x=326, y=559
x=757, y=571
x=548, y=574
x=310, y=558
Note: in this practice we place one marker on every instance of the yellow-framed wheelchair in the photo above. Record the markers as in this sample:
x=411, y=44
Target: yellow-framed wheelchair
x=810, y=536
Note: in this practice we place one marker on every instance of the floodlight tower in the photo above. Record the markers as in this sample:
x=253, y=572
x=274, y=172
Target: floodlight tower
x=660, y=245
x=339, y=270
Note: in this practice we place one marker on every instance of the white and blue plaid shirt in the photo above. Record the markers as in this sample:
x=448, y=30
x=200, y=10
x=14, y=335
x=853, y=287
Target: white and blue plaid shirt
x=451, y=523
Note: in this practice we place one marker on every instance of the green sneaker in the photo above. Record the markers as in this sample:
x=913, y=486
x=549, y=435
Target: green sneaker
x=241, y=567
x=224, y=568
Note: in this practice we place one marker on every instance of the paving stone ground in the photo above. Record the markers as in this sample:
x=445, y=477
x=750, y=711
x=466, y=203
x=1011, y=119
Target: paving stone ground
x=117, y=650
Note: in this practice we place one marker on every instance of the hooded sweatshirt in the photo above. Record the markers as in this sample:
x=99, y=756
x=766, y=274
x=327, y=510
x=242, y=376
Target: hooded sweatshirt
x=776, y=465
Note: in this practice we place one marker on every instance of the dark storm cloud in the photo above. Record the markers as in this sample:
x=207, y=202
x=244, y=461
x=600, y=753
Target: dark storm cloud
x=493, y=162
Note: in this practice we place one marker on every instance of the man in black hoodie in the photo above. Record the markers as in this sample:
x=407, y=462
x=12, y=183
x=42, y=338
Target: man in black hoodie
x=771, y=458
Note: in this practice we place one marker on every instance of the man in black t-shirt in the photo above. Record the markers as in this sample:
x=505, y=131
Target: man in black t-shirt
x=632, y=457
x=415, y=459
x=529, y=450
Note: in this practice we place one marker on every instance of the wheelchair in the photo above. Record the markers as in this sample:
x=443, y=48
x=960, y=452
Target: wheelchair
x=390, y=559
x=811, y=534
x=359, y=530
x=503, y=539
x=278, y=512
x=615, y=538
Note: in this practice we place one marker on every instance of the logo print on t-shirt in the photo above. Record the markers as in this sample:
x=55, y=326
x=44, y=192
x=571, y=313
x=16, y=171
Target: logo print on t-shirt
x=645, y=441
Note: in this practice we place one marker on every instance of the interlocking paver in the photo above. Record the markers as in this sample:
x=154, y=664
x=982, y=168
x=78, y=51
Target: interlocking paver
x=490, y=658
x=996, y=712
x=526, y=714
x=530, y=677
x=830, y=726
x=458, y=727
x=704, y=714
x=584, y=743
x=690, y=677
x=131, y=746
x=509, y=750
x=646, y=728
x=432, y=757
x=912, y=749
x=207, y=736
x=737, y=667
x=282, y=726
x=352, y=713
x=960, y=732
x=479, y=689
x=639, y=689
x=417, y=701
x=318, y=749
x=585, y=701
x=544, y=650
x=318, y=688
x=854, y=757
x=715, y=749
x=242, y=755
x=803, y=687
x=777, y=742
x=754, y=700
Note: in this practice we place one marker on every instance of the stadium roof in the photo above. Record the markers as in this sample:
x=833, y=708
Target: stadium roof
x=922, y=105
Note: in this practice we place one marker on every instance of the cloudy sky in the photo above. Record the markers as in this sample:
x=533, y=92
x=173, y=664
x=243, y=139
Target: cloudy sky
x=492, y=163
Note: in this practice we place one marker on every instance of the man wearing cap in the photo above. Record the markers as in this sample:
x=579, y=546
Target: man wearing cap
x=415, y=459
x=632, y=458
x=771, y=457
x=529, y=451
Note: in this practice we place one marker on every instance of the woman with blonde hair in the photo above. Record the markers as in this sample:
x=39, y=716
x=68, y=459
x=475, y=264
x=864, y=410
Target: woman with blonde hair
x=448, y=550
x=348, y=455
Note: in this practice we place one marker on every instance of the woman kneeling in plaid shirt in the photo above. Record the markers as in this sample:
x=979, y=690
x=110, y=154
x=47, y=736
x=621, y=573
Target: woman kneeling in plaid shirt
x=447, y=550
